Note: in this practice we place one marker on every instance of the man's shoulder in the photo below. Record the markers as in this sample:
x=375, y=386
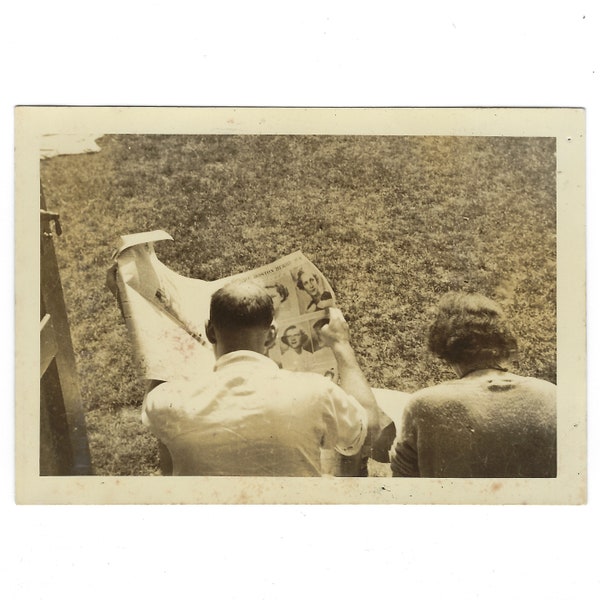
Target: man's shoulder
x=298, y=379
x=165, y=402
x=170, y=393
x=312, y=386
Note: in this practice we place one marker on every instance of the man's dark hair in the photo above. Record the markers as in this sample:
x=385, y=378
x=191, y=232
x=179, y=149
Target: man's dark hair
x=241, y=305
x=470, y=328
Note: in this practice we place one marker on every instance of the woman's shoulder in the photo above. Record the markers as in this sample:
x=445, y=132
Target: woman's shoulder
x=439, y=390
x=538, y=386
x=466, y=391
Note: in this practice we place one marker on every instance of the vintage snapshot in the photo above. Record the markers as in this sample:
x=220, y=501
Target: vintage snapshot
x=300, y=306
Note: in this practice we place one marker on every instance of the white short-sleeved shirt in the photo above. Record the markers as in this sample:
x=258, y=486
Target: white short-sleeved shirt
x=252, y=418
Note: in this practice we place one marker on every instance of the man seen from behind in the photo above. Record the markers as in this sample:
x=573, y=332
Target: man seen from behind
x=251, y=418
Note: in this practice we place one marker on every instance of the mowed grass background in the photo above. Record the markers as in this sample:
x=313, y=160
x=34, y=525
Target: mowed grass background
x=393, y=223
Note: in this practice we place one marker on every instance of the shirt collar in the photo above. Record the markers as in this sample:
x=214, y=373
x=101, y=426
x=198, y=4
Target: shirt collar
x=245, y=357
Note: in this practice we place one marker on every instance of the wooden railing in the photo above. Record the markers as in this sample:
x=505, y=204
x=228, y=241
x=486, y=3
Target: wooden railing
x=64, y=448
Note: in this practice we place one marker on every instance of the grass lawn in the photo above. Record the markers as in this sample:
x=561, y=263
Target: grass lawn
x=393, y=222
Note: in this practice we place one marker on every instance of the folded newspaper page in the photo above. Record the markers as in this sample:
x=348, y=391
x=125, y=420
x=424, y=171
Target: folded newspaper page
x=165, y=312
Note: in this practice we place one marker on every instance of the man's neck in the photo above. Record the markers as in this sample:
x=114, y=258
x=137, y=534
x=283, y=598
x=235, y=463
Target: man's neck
x=221, y=350
x=250, y=340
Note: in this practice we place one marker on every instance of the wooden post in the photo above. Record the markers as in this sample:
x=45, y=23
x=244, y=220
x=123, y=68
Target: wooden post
x=64, y=448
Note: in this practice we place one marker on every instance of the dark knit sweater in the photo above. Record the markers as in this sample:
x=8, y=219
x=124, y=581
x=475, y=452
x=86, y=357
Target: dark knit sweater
x=488, y=424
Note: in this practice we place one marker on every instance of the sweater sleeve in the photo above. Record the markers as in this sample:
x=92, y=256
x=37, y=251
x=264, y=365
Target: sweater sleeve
x=404, y=456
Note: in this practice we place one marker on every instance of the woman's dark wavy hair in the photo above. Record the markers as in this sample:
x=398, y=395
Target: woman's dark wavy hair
x=280, y=289
x=470, y=328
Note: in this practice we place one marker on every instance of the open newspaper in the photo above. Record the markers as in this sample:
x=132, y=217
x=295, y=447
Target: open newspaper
x=165, y=312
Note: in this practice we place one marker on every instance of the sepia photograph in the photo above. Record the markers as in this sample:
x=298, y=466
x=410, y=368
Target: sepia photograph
x=430, y=168
x=301, y=305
